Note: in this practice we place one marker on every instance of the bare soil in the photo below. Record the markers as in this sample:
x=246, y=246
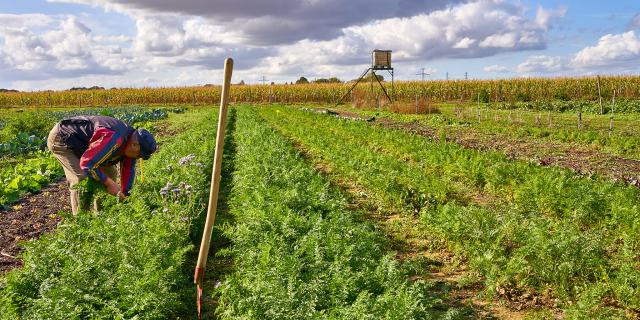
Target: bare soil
x=27, y=219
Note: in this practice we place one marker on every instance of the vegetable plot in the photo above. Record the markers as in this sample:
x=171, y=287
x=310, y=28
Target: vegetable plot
x=35, y=166
x=28, y=176
x=298, y=252
x=520, y=225
x=125, y=262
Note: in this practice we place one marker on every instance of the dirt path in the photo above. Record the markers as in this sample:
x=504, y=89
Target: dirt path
x=581, y=159
x=27, y=219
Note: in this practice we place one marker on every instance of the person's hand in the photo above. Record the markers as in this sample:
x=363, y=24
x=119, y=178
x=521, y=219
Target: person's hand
x=121, y=196
x=112, y=187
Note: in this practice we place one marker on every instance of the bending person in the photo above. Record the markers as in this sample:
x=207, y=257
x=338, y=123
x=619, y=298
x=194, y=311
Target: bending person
x=91, y=146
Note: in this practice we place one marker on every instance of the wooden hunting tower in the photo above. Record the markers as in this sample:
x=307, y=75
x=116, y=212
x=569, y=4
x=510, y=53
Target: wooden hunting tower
x=381, y=60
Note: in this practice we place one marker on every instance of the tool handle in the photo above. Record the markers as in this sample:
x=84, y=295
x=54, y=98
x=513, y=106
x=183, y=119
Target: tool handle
x=215, y=175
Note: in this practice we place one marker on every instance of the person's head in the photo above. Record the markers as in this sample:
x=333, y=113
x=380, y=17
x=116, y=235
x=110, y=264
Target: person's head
x=140, y=144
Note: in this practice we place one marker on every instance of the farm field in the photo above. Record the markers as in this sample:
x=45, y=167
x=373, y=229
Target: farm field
x=556, y=94
x=31, y=189
x=549, y=138
x=507, y=218
x=328, y=215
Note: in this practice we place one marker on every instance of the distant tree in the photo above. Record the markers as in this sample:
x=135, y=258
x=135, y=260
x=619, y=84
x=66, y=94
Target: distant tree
x=302, y=80
x=85, y=88
x=241, y=83
x=8, y=90
x=330, y=80
x=369, y=77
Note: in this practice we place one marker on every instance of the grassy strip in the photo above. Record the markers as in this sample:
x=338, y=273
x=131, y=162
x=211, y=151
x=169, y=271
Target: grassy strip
x=126, y=261
x=298, y=252
x=546, y=228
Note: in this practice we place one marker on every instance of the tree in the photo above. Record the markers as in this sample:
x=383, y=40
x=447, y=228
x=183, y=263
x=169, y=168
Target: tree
x=330, y=80
x=369, y=77
x=302, y=80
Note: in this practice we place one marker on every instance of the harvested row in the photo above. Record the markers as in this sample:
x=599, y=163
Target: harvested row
x=126, y=261
x=298, y=252
x=518, y=224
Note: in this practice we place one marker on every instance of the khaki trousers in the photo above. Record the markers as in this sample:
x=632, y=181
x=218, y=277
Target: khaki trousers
x=71, y=164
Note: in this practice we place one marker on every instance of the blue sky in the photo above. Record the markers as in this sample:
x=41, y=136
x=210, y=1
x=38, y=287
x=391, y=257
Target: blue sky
x=57, y=44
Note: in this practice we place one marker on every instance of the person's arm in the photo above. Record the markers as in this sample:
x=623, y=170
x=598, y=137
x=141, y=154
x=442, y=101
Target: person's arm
x=127, y=174
x=102, y=145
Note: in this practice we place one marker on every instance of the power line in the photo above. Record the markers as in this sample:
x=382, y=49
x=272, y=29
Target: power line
x=263, y=80
x=422, y=73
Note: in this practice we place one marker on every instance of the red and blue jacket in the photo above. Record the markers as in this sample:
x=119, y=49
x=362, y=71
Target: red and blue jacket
x=99, y=141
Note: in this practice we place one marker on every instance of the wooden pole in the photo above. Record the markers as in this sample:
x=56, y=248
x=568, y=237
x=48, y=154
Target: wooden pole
x=600, y=96
x=613, y=107
x=580, y=119
x=215, y=184
x=479, y=118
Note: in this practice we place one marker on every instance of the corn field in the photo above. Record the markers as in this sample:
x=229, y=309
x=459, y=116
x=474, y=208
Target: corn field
x=487, y=91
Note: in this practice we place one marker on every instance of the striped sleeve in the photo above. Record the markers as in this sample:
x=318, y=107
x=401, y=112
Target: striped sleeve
x=127, y=174
x=102, y=146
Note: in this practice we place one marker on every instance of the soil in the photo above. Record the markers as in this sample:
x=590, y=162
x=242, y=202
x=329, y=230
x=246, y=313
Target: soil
x=581, y=159
x=27, y=219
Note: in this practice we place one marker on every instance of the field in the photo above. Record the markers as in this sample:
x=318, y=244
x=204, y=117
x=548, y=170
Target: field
x=517, y=200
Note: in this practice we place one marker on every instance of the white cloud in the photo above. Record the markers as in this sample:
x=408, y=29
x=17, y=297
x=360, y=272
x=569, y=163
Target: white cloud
x=611, y=50
x=312, y=37
x=66, y=50
x=544, y=16
x=277, y=21
x=24, y=20
x=542, y=64
x=505, y=40
x=496, y=69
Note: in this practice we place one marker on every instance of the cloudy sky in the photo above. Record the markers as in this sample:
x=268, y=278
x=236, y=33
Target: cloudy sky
x=57, y=44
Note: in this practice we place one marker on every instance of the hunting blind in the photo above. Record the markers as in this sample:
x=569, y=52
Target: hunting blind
x=380, y=60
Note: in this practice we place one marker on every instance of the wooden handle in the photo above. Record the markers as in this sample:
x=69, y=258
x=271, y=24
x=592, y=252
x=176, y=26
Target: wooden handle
x=215, y=175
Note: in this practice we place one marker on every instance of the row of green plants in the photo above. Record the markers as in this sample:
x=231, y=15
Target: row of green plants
x=520, y=225
x=623, y=140
x=31, y=175
x=128, y=260
x=298, y=252
x=590, y=107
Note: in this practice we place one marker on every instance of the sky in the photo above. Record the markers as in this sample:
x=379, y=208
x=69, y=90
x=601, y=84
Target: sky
x=59, y=44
